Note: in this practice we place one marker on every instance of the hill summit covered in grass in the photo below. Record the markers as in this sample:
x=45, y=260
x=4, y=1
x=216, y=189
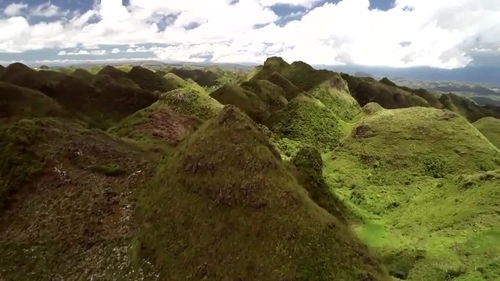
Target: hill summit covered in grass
x=250, y=212
x=283, y=172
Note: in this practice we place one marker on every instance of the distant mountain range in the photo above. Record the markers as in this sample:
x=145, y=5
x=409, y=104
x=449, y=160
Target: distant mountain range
x=475, y=74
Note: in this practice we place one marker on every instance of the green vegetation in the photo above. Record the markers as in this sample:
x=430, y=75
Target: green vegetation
x=24, y=147
x=272, y=95
x=334, y=94
x=83, y=74
x=389, y=95
x=245, y=99
x=299, y=183
x=192, y=101
x=490, y=128
x=249, y=212
x=111, y=71
x=366, y=90
x=148, y=80
x=288, y=87
x=302, y=75
x=205, y=78
x=307, y=120
x=309, y=166
x=109, y=170
x=17, y=103
x=19, y=159
x=421, y=189
x=174, y=81
x=464, y=106
x=372, y=108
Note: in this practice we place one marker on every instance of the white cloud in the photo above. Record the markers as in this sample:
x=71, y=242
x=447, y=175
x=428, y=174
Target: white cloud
x=304, y=3
x=83, y=52
x=115, y=51
x=47, y=10
x=141, y=49
x=15, y=9
x=413, y=33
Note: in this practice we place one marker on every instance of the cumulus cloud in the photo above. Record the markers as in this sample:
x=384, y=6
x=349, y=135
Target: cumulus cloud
x=441, y=33
x=304, y=3
x=15, y=9
x=47, y=10
x=95, y=52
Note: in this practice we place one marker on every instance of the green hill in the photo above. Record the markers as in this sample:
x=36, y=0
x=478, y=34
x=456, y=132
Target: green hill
x=366, y=90
x=272, y=95
x=306, y=120
x=300, y=74
x=83, y=74
x=148, y=80
x=420, y=140
x=67, y=195
x=225, y=197
x=422, y=183
x=174, y=81
x=334, y=94
x=290, y=89
x=202, y=77
x=18, y=103
x=134, y=173
x=21, y=75
x=391, y=96
x=170, y=120
x=112, y=71
x=464, y=106
x=244, y=99
x=490, y=128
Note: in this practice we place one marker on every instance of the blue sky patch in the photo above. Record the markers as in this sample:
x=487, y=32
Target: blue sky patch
x=382, y=5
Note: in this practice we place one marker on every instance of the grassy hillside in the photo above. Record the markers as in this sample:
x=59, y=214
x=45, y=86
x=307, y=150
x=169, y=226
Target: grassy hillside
x=134, y=173
x=302, y=75
x=18, y=103
x=464, y=106
x=490, y=128
x=422, y=183
x=391, y=96
x=149, y=80
x=243, y=98
x=206, y=78
x=67, y=197
x=248, y=212
x=385, y=93
x=306, y=120
x=170, y=120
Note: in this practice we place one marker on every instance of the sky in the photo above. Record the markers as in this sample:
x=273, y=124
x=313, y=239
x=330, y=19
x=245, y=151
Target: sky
x=394, y=33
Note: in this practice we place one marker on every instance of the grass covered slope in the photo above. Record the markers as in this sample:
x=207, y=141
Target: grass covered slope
x=465, y=107
x=334, y=94
x=148, y=80
x=302, y=75
x=424, y=185
x=169, y=120
x=224, y=207
x=18, y=102
x=385, y=93
x=307, y=121
x=205, y=78
x=67, y=197
x=418, y=140
x=490, y=128
x=244, y=99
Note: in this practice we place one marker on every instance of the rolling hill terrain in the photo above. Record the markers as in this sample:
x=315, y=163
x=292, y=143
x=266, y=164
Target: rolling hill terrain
x=284, y=172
